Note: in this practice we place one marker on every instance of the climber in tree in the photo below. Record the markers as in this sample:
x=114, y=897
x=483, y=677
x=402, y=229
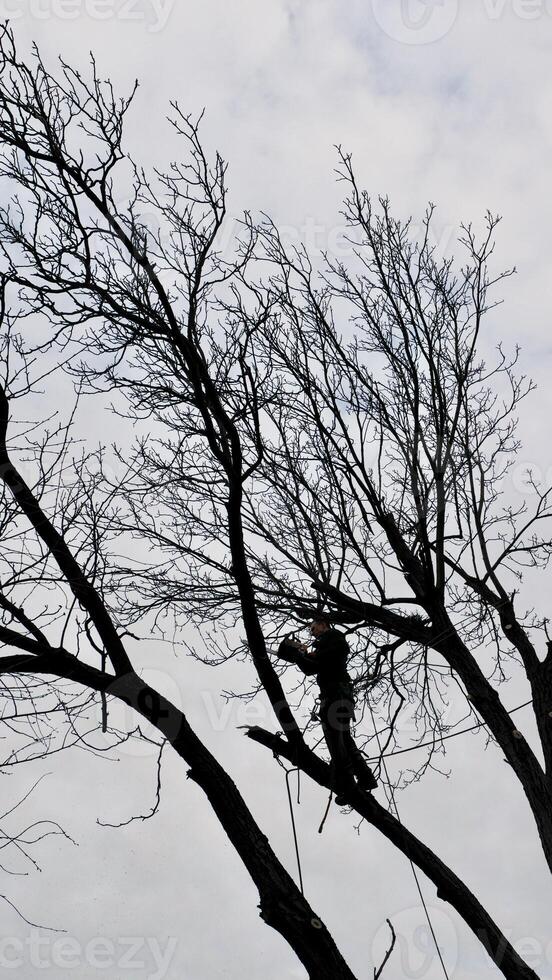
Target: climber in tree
x=328, y=660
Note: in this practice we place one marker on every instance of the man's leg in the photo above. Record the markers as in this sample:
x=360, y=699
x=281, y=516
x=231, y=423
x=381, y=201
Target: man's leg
x=335, y=718
x=362, y=771
x=364, y=775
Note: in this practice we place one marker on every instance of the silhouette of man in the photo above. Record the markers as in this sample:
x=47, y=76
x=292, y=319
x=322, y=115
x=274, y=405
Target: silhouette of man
x=328, y=660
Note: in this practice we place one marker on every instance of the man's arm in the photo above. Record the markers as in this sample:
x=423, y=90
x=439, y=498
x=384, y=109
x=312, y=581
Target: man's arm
x=296, y=654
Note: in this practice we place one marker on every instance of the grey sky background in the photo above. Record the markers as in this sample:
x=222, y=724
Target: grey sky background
x=435, y=103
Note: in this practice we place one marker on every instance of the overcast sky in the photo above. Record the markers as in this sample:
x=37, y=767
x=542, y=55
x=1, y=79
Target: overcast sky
x=435, y=103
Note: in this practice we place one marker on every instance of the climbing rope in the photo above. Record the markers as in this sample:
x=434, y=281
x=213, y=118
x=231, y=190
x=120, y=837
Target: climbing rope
x=392, y=800
x=288, y=773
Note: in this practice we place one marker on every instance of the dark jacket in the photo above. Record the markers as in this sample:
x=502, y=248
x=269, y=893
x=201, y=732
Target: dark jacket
x=328, y=662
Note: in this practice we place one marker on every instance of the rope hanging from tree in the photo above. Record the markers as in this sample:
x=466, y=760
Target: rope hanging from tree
x=392, y=800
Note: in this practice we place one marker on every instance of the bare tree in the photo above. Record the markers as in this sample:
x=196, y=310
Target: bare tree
x=284, y=460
